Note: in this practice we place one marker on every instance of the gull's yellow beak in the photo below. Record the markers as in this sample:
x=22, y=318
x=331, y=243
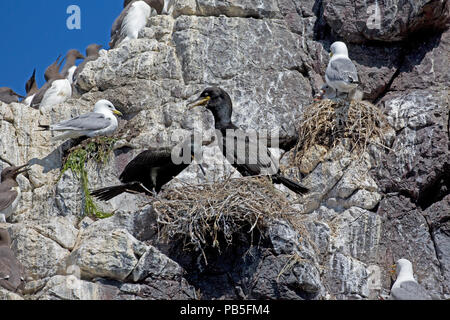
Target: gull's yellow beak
x=201, y=102
x=393, y=269
x=331, y=54
x=117, y=112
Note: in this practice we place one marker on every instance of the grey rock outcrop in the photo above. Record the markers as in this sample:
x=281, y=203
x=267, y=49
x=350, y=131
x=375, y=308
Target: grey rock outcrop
x=388, y=21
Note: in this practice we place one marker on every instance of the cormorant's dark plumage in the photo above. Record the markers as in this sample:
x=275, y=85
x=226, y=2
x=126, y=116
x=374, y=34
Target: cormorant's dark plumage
x=146, y=173
x=220, y=104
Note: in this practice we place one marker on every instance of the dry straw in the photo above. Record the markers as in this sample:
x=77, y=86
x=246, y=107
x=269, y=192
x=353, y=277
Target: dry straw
x=210, y=215
x=330, y=122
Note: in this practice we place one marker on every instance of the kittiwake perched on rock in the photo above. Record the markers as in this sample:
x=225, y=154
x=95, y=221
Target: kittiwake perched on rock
x=92, y=54
x=406, y=287
x=10, y=191
x=101, y=122
x=7, y=95
x=132, y=19
x=56, y=90
x=12, y=272
x=31, y=89
x=341, y=73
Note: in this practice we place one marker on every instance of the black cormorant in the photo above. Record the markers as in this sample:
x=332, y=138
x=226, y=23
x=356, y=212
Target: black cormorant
x=247, y=163
x=150, y=171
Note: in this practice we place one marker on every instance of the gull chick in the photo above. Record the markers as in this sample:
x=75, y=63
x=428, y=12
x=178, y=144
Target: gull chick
x=326, y=92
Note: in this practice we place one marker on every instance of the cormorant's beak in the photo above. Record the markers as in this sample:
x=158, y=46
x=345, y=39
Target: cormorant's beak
x=200, y=102
x=20, y=96
x=118, y=113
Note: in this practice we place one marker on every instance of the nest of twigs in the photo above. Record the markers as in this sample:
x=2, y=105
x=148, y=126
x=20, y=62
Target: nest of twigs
x=210, y=215
x=330, y=122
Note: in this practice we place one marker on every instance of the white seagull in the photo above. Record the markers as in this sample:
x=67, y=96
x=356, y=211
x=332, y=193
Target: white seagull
x=341, y=73
x=406, y=287
x=101, y=122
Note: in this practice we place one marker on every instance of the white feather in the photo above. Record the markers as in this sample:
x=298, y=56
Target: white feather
x=59, y=92
x=135, y=20
x=167, y=7
x=70, y=73
x=28, y=100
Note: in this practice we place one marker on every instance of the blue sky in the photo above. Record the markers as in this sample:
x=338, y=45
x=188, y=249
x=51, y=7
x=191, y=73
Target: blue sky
x=34, y=32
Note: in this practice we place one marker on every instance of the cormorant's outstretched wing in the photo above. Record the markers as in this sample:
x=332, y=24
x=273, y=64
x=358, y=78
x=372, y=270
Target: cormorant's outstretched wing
x=139, y=169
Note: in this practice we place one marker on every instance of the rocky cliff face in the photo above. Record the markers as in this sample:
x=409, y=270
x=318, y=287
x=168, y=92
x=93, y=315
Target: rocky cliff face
x=363, y=213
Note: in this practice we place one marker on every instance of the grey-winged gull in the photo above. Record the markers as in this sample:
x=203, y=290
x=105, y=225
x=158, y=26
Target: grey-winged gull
x=341, y=73
x=7, y=95
x=12, y=272
x=132, y=19
x=10, y=191
x=406, y=287
x=101, y=122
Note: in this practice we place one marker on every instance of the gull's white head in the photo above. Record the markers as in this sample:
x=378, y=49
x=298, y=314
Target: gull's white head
x=340, y=48
x=106, y=107
x=404, y=266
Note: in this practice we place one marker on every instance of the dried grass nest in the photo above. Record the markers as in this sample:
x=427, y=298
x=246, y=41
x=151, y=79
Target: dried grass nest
x=210, y=215
x=330, y=122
